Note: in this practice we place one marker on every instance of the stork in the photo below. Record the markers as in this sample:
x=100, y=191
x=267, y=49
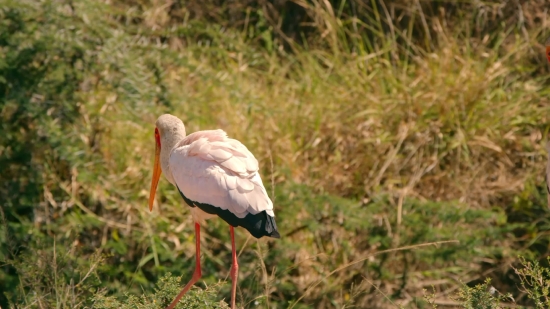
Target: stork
x=216, y=176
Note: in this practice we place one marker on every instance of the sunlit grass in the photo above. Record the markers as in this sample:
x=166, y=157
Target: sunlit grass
x=369, y=140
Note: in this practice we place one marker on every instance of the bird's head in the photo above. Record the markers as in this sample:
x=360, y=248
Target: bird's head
x=548, y=49
x=169, y=130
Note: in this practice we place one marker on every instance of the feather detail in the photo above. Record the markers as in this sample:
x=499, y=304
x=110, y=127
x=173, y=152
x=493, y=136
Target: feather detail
x=230, y=180
x=210, y=168
x=244, y=185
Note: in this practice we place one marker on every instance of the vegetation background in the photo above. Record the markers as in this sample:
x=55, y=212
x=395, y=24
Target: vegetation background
x=379, y=125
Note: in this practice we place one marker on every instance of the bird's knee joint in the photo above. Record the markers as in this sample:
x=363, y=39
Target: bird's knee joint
x=198, y=274
x=234, y=269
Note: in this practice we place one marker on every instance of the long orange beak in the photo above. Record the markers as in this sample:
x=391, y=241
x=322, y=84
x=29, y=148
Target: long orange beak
x=156, y=172
x=548, y=53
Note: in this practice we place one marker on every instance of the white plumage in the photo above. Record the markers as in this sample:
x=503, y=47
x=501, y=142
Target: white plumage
x=215, y=175
x=210, y=168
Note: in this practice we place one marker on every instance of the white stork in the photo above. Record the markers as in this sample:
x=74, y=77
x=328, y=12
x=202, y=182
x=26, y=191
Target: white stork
x=216, y=176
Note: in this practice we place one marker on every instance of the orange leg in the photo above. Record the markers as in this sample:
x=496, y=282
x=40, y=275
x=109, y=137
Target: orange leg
x=234, y=268
x=197, y=274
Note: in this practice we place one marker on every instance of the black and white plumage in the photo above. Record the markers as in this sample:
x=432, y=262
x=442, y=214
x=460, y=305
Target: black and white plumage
x=220, y=177
x=216, y=176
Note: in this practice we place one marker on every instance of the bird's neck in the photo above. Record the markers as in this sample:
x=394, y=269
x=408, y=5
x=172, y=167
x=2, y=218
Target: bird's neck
x=168, y=143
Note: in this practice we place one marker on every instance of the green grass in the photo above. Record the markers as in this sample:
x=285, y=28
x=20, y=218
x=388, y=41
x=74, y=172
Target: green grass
x=378, y=128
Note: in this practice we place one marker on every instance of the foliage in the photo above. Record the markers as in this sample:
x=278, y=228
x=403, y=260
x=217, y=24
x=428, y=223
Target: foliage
x=378, y=125
x=482, y=296
x=535, y=281
x=64, y=277
x=165, y=293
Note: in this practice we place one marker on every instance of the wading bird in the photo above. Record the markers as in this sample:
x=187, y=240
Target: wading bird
x=216, y=176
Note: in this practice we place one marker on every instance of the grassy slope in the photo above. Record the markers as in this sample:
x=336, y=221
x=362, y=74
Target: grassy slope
x=365, y=149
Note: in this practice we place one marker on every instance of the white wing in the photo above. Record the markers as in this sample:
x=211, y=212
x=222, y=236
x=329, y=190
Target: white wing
x=212, y=169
